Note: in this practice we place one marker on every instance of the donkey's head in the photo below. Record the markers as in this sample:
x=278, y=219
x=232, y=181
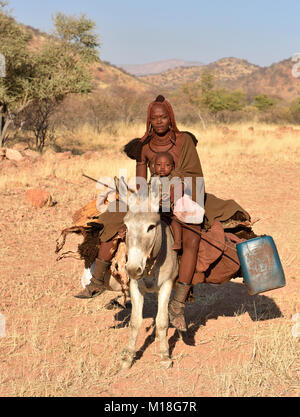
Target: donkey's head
x=142, y=222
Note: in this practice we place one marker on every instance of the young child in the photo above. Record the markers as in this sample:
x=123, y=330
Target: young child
x=163, y=165
x=185, y=209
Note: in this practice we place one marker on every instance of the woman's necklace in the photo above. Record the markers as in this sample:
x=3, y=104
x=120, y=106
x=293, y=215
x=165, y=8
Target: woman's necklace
x=167, y=150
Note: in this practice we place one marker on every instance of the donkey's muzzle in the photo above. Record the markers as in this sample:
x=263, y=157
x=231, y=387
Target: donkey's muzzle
x=134, y=272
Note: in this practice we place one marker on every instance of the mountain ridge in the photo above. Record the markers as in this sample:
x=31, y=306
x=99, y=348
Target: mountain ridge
x=236, y=74
x=231, y=73
x=157, y=67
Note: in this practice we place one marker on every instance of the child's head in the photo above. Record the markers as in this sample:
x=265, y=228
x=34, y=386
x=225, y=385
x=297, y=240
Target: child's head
x=163, y=164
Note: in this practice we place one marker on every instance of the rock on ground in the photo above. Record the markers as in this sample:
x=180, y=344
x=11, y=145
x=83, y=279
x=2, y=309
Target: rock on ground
x=13, y=155
x=39, y=198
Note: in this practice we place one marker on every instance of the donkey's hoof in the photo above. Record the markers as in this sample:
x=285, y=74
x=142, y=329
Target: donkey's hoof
x=126, y=359
x=166, y=363
x=126, y=364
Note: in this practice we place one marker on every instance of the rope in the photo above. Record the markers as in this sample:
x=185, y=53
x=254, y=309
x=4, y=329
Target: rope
x=200, y=233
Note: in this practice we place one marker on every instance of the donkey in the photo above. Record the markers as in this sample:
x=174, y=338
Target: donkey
x=152, y=266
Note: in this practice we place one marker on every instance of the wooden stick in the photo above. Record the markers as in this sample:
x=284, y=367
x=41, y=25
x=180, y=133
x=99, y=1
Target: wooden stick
x=99, y=182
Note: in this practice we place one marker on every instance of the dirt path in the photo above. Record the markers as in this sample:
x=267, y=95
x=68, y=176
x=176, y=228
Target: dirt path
x=58, y=345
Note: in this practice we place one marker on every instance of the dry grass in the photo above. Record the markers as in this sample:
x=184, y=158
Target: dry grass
x=239, y=139
x=272, y=370
x=57, y=345
x=265, y=143
x=113, y=138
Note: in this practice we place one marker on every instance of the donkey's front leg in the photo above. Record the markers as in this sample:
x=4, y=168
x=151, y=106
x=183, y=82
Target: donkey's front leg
x=162, y=322
x=137, y=301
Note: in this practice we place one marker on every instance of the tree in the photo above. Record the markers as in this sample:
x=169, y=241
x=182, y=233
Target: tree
x=263, y=102
x=221, y=99
x=44, y=77
x=78, y=33
x=37, y=119
x=295, y=110
x=206, y=97
x=15, y=87
x=198, y=93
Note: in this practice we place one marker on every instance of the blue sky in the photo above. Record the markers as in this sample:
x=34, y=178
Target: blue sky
x=139, y=31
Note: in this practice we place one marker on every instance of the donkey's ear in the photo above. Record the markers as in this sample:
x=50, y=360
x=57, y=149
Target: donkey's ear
x=117, y=184
x=155, y=193
x=122, y=179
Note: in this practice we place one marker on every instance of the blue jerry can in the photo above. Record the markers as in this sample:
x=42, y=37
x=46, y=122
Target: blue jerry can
x=260, y=265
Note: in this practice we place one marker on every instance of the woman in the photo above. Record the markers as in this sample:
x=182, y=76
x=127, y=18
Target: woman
x=162, y=135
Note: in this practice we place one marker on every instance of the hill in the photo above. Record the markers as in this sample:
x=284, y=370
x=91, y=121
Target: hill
x=224, y=69
x=232, y=73
x=276, y=80
x=105, y=74
x=158, y=66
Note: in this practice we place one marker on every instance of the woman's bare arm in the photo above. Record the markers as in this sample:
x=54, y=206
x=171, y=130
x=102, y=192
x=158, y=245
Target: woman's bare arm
x=141, y=171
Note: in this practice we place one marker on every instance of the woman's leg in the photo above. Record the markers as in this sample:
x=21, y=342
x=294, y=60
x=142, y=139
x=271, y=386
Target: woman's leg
x=177, y=232
x=190, y=243
x=190, y=247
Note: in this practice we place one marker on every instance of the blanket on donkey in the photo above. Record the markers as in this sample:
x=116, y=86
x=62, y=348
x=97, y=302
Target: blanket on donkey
x=217, y=257
x=216, y=209
x=217, y=260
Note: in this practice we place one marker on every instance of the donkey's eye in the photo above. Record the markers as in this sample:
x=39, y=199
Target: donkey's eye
x=151, y=227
